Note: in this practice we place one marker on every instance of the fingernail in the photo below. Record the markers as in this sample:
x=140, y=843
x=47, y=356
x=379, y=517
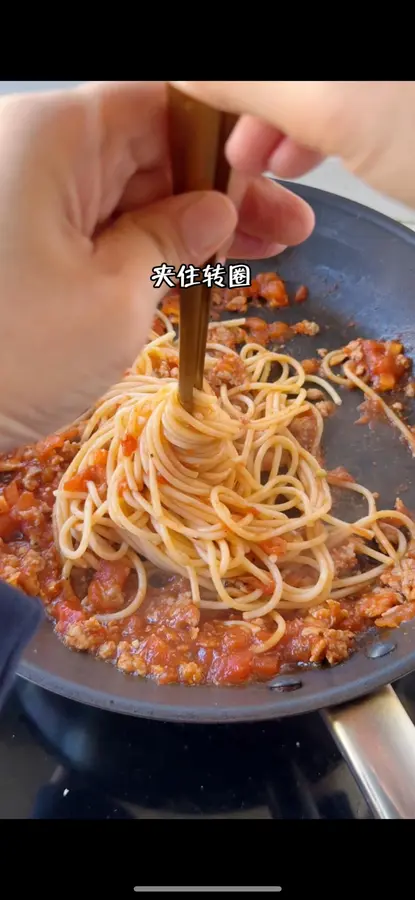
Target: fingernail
x=251, y=243
x=206, y=224
x=249, y=247
x=277, y=161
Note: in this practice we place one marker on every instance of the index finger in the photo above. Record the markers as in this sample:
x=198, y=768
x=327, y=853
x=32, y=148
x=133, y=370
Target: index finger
x=301, y=110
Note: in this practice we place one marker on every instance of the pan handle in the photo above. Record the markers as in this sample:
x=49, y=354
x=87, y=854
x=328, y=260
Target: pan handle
x=377, y=738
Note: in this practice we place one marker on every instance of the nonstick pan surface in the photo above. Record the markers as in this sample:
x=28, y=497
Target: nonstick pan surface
x=359, y=267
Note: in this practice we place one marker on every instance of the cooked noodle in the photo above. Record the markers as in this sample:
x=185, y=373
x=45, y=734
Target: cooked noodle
x=335, y=358
x=227, y=497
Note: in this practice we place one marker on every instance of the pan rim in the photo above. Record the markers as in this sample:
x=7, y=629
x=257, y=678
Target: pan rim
x=192, y=712
x=366, y=212
x=261, y=703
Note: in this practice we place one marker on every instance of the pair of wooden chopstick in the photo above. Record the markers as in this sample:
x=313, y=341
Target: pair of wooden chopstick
x=198, y=135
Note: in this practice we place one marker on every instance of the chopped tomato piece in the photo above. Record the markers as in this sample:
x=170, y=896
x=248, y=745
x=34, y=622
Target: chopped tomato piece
x=386, y=381
x=105, y=592
x=232, y=669
x=170, y=307
x=158, y=326
x=383, y=361
x=276, y=546
x=7, y=526
x=264, y=666
x=256, y=324
x=155, y=651
x=27, y=500
x=76, y=483
x=55, y=442
x=236, y=638
x=254, y=584
x=253, y=289
x=129, y=444
x=95, y=472
x=11, y=494
x=67, y=612
x=99, y=458
x=258, y=330
x=311, y=366
x=272, y=289
x=279, y=331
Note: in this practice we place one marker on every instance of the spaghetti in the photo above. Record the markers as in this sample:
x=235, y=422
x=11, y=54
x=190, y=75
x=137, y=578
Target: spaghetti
x=336, y=358
x=227, y=498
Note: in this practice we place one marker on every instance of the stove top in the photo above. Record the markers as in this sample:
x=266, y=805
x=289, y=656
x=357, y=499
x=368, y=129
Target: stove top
x=62, y=760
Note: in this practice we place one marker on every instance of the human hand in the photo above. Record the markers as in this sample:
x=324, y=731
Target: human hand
x=86, y=212
x=287, y=127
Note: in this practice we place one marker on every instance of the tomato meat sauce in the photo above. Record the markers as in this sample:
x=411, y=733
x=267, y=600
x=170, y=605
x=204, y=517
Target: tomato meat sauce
x=169, y=639
x=382, y=364
x=267, y=289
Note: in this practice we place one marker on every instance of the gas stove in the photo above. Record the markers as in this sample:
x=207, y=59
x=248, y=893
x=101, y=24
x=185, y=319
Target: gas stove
x=63, y=760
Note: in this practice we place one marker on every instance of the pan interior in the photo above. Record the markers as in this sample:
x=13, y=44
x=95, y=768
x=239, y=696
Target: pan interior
x=359, y=267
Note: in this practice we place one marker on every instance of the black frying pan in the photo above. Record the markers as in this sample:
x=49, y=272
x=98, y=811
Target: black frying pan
x=360, y=270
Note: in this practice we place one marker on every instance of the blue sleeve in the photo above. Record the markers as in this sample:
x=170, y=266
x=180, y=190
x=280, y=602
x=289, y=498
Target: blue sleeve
x=20, y=618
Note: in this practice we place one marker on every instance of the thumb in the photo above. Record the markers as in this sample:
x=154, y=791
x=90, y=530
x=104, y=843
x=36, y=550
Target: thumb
x=182, y=230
